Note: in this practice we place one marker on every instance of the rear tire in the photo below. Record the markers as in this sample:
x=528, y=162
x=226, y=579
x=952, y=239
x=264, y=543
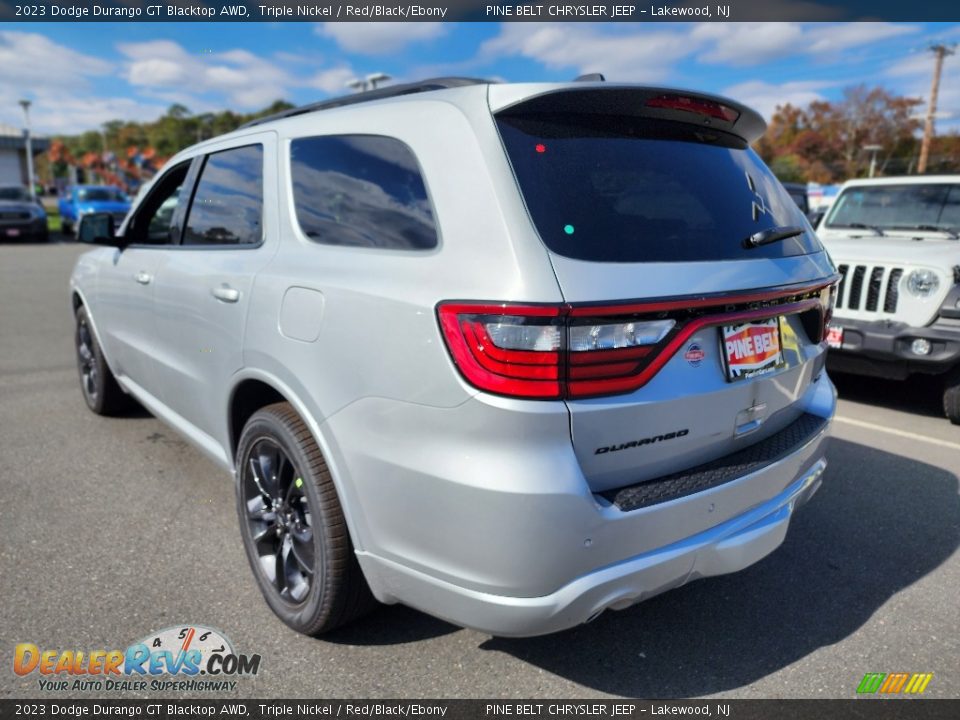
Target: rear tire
x=100, y=389
x=951, y=396
x=293, y=527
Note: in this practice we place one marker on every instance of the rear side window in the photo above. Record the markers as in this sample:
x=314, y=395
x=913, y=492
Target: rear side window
x=628, y=189
x=227, y=206
x=361, y=191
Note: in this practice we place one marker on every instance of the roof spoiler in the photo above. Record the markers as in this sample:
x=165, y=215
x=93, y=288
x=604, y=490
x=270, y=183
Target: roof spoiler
x=694, y=108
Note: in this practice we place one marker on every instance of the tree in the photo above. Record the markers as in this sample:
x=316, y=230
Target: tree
x=824, y=141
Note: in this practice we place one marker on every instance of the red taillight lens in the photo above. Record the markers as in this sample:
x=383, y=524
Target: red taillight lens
x=707, y=108
x=551, y=352
x=531, y=351
x=506, y=349
x=608, y=356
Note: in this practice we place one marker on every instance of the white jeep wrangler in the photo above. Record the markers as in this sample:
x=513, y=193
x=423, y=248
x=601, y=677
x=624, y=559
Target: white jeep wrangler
x=895, y=242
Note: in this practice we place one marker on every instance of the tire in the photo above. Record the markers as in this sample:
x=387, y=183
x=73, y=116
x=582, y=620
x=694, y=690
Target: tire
x=100, y=389
x=951, y=397
x=66, y=228
x=293, y=527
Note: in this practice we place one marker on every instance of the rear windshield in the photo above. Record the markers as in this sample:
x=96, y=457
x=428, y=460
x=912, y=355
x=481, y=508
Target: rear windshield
x=898, y=206
x=617, y=189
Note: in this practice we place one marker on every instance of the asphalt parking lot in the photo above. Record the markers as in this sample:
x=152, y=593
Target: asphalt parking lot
x=114, y=528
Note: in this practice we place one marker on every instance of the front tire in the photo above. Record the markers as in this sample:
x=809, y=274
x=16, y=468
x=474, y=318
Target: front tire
x=293, y=527
x=100, y=389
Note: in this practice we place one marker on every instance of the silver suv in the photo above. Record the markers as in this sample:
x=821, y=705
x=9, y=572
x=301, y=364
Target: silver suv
x=512, y=354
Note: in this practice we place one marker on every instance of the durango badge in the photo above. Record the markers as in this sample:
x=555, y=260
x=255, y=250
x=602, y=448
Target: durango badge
x=642, y=441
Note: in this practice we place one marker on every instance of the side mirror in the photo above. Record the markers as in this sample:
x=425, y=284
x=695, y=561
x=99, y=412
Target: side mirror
x=98, y=229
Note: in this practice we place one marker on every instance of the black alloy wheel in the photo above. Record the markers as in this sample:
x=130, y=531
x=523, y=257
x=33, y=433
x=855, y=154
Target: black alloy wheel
x=279, y=520
x=100, y=389
x=293, y=527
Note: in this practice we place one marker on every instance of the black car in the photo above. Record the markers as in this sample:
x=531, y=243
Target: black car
x=21, y=217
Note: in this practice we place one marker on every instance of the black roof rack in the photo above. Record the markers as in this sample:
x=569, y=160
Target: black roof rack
x=442, y=83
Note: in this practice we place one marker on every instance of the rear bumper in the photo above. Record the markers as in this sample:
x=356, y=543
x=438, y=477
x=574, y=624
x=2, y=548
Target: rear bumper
x=522, y=547
x=883, y=349
x=729, y=547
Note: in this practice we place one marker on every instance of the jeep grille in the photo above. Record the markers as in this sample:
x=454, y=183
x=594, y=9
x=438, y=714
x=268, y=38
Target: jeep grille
x=862, y=287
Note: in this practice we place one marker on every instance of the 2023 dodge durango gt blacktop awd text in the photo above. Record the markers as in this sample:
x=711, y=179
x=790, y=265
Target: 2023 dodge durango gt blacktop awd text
x=512, y=354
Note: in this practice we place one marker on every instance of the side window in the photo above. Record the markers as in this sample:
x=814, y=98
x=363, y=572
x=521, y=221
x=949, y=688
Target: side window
x=361, y=191
x=227, y=206
x=153, y=222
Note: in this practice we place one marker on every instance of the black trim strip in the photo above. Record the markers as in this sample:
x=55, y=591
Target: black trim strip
x=720, y=471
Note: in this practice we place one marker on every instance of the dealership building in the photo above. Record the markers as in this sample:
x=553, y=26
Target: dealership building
x=13, y=154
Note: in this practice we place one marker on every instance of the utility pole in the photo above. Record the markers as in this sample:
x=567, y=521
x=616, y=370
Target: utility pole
x=940, y=51
x=25, y=104
x=873, y=150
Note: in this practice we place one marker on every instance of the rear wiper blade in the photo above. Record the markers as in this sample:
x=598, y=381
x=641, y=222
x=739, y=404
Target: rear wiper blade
x=772, y=235
x=861, y=226
x=930, y=228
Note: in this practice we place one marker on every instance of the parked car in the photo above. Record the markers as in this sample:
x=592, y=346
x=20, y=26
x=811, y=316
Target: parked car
x=898, y=309
x=21, y=217
x=509, y=354
x=79, y=200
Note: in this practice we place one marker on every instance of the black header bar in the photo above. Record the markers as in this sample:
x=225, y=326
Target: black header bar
x=539, y=709
x=475, y=11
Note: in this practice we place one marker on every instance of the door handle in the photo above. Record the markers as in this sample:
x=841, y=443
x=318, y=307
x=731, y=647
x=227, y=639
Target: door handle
x=143, y=278
x=226, y=294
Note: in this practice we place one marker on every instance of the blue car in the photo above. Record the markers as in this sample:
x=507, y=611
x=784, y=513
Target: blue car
x=80, y=200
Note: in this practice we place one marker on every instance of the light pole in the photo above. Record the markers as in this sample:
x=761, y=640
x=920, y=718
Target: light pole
x=873, y=150
x=25, y=104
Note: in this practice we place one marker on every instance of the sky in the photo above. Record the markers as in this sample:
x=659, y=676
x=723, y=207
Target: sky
x=82, y=75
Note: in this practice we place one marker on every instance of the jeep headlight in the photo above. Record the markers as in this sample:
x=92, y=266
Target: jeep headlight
x=922, y=283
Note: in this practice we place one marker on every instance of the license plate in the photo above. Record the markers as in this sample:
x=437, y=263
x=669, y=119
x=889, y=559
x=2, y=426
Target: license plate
x=13, y=232
x=835, y=337
x=752, y=349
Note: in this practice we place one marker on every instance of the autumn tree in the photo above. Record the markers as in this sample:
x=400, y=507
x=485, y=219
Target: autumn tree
x=824, y=142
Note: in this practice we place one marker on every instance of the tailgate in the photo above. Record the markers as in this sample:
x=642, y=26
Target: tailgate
x=645, y=204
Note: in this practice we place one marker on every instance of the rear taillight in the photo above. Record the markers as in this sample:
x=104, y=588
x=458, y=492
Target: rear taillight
x=506, y=349
x=697, y=106
x=607, y=357
x=562, y=351
x=828, y=301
